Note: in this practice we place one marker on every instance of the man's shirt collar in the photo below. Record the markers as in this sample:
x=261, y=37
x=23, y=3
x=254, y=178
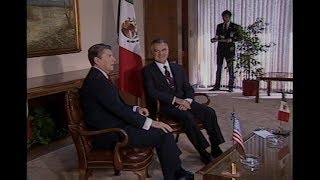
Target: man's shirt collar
x=104, y=73
x=160, y=65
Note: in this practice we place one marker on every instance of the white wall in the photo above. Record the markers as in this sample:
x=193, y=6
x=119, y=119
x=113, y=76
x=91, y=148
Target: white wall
x=98, y=21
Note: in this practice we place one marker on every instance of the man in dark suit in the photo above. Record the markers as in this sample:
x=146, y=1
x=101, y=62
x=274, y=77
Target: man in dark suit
x=168, y=83
x=226, y=35
x=104, y=108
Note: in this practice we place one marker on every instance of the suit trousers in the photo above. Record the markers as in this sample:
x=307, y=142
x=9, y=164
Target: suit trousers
x=166, y=147
x=229, y=61
x=187, y=119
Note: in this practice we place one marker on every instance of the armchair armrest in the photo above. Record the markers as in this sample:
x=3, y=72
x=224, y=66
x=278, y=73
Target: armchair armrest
x=207, y=102
x=206, y=96
x=116, y=154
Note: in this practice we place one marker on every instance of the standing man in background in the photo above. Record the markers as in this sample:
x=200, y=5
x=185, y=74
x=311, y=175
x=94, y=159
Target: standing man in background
x=226, y=35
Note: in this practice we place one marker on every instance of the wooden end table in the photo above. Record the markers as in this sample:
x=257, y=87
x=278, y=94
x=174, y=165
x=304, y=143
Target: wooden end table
x=272, y=76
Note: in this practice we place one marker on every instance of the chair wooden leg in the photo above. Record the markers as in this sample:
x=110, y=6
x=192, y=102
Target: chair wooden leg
x=117, y=172
x=89, y=173
x=147, y=172
x=141, y=174
x=83, y=174
x=177, y=138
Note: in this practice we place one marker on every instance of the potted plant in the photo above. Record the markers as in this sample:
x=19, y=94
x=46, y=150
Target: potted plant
x=248, y=47
x=43, y=127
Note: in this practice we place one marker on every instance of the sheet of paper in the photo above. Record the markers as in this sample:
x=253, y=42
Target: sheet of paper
x=262, y=133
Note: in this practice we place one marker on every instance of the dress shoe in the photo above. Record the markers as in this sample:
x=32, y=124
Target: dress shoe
x=215, y=88
x=206, y=157
x=230, y=90
x=216, y=151
x=182, y=174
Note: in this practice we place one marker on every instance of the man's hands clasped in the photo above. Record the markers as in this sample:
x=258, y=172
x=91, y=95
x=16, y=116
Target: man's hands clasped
x=182, y=104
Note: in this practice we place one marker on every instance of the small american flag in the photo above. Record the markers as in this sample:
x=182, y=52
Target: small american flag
x=236, y=135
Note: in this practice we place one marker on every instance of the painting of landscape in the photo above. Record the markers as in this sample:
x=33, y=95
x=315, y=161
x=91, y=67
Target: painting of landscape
x=52, y=27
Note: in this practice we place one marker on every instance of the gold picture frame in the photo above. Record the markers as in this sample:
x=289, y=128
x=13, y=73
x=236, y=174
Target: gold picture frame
x=52, y=27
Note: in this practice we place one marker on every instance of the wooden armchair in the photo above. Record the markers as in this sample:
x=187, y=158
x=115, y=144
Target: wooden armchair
x=154, y=108
x=119, y=158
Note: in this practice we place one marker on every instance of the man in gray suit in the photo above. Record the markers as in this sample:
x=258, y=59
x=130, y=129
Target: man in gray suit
x=169, y=83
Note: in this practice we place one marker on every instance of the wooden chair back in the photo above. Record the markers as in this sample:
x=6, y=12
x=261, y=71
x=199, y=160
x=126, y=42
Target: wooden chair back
x=89, y=158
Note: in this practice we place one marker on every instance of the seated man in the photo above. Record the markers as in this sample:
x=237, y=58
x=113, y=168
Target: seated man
x=104, y=108
x=168, y=83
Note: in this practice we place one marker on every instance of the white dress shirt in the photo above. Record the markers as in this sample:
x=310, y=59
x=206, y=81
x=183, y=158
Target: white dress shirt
x=161, y=67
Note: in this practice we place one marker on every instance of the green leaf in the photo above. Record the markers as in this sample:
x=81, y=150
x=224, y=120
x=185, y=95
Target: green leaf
x=249, y=47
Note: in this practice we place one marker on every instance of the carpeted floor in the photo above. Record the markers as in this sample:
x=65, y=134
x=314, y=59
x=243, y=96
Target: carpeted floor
x=62, y=163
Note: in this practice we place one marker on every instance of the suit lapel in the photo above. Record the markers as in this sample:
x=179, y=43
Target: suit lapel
x=175, y=74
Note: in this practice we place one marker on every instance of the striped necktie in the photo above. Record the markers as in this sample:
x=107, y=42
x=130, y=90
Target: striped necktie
x=168, y=77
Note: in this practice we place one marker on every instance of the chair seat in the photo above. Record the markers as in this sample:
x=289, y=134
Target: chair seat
x=155, y=112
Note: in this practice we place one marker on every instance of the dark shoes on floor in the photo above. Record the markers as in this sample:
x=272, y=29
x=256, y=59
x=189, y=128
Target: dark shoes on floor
x=206, y=157
x=230, y=90
x=182, y=174
x=215, y=88
x=216, y=151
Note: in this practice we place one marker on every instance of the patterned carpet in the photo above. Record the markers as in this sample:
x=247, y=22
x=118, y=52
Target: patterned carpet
x=62, y=163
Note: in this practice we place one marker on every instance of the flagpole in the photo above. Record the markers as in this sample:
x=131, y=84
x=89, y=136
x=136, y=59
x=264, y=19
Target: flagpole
x=280, y=127
x=118, y=19
x=281, y=130
x=138, y=101
x=282, y=99
x=283, y=109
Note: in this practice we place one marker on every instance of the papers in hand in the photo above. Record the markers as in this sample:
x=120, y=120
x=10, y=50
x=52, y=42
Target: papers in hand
x=220, y=40
x=262, y=133
x=214, y=40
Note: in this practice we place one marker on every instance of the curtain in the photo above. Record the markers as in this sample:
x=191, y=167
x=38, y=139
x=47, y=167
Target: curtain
x=278, y=13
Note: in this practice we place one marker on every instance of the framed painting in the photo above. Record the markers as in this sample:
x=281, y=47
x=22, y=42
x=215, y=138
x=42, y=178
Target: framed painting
x=52, y=27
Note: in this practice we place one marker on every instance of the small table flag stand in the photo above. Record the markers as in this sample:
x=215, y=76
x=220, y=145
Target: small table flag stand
x=283, y=116
x=248, y=160
x=237, y=135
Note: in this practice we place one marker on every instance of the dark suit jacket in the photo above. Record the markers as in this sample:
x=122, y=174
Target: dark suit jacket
x=104, y=108
x=232, y=32
x=157, y=87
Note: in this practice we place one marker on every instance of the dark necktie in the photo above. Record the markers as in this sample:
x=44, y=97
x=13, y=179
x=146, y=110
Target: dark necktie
x=168, y=77
x=225, y=28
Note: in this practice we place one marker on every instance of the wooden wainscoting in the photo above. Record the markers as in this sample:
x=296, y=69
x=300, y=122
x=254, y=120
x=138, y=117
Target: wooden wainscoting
x=48, y=92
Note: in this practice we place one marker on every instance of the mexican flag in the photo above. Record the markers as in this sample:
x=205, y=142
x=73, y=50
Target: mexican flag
x=284, y=112
x=130, y=65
